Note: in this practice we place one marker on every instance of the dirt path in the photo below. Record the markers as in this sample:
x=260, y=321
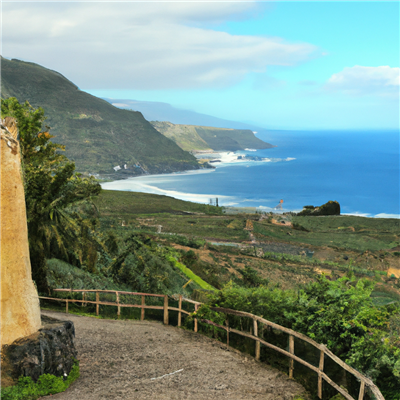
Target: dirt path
x=120, y=359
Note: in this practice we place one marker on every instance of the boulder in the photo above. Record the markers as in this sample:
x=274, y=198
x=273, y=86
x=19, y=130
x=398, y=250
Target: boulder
x=50, y=350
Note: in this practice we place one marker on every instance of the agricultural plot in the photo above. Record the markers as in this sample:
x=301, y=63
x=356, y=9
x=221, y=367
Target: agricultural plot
x=227, y=247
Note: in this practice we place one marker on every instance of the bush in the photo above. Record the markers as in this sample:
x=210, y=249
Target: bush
x=47, y=384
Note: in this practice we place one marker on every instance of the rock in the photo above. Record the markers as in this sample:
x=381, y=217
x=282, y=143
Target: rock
x=329, y=208
x=221, y=387
x=51, y=350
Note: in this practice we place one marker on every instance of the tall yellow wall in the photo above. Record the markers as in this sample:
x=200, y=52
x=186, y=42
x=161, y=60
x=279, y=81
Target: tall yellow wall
x=20, y=311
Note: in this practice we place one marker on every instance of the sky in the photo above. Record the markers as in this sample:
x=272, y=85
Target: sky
x=278, y=65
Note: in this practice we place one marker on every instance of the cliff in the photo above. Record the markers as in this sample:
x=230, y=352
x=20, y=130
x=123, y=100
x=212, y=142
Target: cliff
x=192, y=137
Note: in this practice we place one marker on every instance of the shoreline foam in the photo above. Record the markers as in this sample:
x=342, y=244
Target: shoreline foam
x=220, y=158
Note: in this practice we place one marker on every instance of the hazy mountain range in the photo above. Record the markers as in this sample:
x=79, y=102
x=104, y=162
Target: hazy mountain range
x=157, y=111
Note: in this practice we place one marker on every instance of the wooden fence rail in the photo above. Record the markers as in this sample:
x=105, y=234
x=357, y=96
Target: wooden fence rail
x=364, y=381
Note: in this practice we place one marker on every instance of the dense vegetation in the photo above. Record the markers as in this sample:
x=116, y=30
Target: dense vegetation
x=97, y=135
x=338, y=313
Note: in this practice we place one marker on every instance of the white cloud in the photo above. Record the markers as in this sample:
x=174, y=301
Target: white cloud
x=359, y=80
x=143, y=45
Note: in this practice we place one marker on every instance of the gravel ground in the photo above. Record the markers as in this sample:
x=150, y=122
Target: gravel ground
x=147, y=360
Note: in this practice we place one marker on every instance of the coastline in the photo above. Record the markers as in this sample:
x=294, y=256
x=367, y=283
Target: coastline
x=318, y=175
x=149, y=183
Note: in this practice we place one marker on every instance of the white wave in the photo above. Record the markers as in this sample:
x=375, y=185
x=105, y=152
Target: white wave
x=384, y=215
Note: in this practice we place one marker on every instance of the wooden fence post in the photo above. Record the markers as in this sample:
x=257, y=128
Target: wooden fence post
x=97, y=303
x=119, y=307
x=180, y=313
x=142, y=311
x=195, y=320
x=362, y=388
x=255, y=328
x=83, y=298
x=291, y=351
x=66, y=306
x=166, y=310
x=227, y=331
x=321, y=368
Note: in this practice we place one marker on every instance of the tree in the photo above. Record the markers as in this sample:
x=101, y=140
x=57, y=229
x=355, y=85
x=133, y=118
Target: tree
x=51, y=188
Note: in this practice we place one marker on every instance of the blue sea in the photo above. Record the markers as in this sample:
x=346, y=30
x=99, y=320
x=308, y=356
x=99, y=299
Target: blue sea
x=359, y=169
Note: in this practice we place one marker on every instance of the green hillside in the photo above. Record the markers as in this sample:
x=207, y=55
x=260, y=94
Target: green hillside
x=97, y=135
x=185, y=136
x=191, y=137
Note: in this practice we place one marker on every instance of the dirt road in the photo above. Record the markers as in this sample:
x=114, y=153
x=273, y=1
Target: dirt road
x=147, y=360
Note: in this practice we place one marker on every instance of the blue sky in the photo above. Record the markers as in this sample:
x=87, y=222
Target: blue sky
x=281, y=65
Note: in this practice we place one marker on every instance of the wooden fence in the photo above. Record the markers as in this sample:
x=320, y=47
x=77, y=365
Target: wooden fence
x=323, y=351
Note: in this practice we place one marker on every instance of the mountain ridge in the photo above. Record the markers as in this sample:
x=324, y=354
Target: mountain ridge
x=97, y=135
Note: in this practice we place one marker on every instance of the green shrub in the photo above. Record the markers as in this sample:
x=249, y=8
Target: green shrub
x=251, y=277
x=47, y=384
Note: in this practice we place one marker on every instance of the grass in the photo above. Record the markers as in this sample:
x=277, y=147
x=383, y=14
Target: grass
x=191, y=275
x=205, y=227
x=131, y=204
x=346, y=232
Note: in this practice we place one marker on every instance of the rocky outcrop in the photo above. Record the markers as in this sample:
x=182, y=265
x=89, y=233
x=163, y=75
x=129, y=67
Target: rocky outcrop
x=329, y=208
x=20, y=311
x=51, y=350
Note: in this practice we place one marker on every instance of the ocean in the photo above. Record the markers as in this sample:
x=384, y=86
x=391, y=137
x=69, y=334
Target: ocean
x=359, y=169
